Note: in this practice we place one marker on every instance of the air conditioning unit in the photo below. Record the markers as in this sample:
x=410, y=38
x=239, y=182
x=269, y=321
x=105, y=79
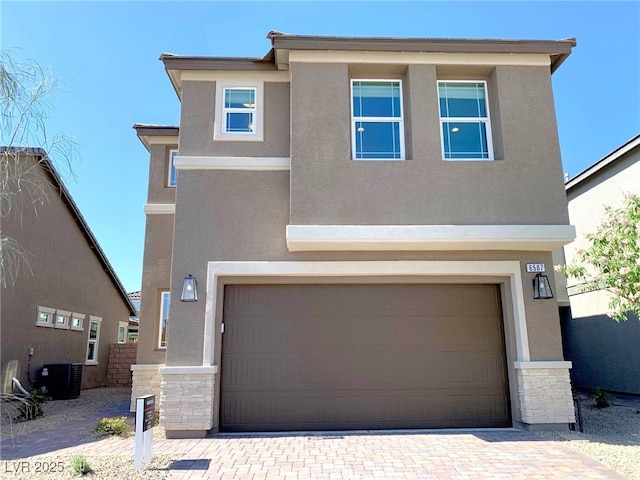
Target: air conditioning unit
x=63, y=380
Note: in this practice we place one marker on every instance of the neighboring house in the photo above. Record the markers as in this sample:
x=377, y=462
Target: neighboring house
x=132, y=331
x=73, y=305
x=604, y=352
x=358, y=214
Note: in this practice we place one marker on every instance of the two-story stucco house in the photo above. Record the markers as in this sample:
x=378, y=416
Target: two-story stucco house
x=358, y=214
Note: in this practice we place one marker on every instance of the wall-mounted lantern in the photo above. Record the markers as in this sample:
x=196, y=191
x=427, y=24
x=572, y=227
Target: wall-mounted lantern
x=541, y=287
x=189, y=290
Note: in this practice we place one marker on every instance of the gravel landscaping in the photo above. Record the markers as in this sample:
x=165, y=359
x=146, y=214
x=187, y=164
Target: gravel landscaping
x=611, y=436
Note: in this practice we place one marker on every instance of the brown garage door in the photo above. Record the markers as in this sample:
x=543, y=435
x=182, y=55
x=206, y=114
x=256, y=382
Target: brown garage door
x=334, y=357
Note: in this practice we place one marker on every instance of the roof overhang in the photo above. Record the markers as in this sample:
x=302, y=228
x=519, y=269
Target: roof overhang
x=278, y=57
x=156, y=134
x=557, y=50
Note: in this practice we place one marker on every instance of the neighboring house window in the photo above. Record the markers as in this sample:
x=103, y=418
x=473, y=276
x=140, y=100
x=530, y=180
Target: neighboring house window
x=45, y=316
x=377, y=126
x=77, y=321
x=172, y=180
x=62, y=319
x=464, y=120
x=164, y=319
x=122, y=332
x=94, y=340
x=239, y=112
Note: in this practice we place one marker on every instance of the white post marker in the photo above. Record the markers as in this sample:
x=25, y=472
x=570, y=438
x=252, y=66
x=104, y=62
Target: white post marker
x=145, y=419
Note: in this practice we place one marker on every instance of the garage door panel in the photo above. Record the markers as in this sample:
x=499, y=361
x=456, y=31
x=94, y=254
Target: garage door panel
x=364, y=357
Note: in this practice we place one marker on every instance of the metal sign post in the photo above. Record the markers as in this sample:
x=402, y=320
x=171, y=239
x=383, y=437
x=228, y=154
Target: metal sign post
x=145, y=419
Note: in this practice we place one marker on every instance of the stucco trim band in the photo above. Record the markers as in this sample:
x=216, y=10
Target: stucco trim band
x=428, y=237
x=232, y=163
x=159, y=208
x=543, y=364
x=140, y=367
x=510, y=269
x=189, y=370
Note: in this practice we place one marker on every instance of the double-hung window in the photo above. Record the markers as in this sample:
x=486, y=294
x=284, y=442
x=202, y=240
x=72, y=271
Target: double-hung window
x=239, y=111
x=93, y=340
x=164, y=319
x=377, y=127
x=464, y=120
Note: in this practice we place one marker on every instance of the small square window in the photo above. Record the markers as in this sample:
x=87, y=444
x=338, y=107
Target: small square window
x=62, y=319
x=45, y=317
x=77, y=322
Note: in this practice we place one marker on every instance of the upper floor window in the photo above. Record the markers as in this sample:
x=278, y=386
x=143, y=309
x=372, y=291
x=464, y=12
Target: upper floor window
x=464, y=120
x=239, y=112
x=377, y=126
x=172, y=179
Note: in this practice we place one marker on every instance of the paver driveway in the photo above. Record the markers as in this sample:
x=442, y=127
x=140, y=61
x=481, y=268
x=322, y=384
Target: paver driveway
x=496, y=454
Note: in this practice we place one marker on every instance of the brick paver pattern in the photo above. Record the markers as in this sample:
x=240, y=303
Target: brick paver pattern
x=494, y=454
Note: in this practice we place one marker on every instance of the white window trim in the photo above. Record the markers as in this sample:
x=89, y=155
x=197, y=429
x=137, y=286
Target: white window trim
x=124, y=325
x=355, y=119
x=96, y=349
x=79, y=316
x=219, y=133
x=486, y=120
x=66, y=315
x=51, y=312
x=162, y=294
x=172, y=183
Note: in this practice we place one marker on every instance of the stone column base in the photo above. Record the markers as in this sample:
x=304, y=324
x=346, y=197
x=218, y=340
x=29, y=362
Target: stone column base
x=544, y=390
x=146, y=381
x=186, y=400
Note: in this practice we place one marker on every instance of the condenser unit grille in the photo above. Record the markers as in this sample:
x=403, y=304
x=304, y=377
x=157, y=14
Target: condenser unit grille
x=64, y=380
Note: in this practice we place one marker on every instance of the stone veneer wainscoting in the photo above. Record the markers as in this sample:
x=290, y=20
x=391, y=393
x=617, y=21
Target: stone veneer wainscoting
x=544, y=390
x=186, y=400
x=146, y=381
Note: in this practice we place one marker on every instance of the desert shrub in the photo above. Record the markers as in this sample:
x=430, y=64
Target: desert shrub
x=31, y=406
x=79, y=465
x=112, y=426
x=601, y=398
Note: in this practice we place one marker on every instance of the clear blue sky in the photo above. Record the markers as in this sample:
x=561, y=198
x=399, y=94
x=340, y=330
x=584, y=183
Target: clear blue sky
x=106, y=55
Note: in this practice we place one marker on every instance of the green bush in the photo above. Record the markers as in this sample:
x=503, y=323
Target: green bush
x=79, y=465
x=601, y=398
x=112, y=426
x=31, y=406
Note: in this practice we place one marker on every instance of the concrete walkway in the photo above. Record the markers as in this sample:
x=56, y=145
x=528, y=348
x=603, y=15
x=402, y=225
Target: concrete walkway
x=482, y=454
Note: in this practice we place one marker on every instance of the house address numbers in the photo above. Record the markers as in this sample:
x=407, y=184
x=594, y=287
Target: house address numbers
x=535, y=267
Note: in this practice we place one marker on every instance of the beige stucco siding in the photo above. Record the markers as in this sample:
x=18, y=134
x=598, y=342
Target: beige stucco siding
x=198, y=116
x=242, y=216
x=158, y=191
x=156, y=278
x=525, y=187
x=68, y=276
